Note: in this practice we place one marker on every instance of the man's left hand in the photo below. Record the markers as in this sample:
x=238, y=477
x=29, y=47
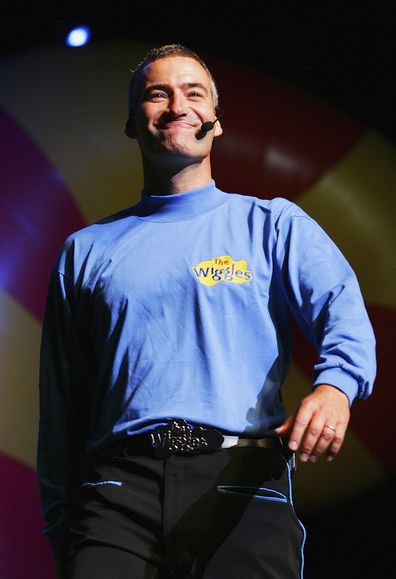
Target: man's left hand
x=319, y=424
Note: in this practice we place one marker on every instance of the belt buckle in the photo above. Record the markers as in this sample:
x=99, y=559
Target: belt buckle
x=180, y=438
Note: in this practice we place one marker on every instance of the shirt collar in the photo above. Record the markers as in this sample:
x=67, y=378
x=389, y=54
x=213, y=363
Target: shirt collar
x=180, y=206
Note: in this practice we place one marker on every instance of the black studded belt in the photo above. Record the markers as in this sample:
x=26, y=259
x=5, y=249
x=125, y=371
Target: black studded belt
x=180, y=438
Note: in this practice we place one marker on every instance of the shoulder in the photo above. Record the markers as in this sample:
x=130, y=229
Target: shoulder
x=94, y=239
x=277, y=207
x=104, y=230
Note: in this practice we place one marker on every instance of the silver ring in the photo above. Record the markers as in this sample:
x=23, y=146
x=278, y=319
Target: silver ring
x=329, y=426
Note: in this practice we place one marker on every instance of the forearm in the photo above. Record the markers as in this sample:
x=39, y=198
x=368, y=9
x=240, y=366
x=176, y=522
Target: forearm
x=64, y=419
x=325, y=299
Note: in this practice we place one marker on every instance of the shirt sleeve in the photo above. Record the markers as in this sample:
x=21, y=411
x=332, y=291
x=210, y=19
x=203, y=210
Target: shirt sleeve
x=325, y=298
x=63, y=416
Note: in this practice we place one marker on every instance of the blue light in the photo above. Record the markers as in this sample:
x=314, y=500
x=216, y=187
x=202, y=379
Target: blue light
x=78, y=36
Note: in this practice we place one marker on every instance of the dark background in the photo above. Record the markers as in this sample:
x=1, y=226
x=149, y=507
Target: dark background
x=344, y=53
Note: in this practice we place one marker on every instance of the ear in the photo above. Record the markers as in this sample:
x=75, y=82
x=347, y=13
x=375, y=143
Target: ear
x=218, y=129
x=130, y=130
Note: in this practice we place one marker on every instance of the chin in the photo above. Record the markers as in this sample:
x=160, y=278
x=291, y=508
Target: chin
x=185, y=147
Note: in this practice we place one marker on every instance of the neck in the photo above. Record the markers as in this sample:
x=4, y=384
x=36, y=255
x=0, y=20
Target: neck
x=168, y=181
x=184, y=206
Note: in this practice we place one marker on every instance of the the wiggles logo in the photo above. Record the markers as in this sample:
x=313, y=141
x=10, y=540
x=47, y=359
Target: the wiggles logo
x=222, y=268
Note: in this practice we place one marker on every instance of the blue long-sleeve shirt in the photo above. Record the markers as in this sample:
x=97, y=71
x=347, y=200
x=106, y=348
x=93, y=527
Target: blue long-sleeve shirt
x=180, y=307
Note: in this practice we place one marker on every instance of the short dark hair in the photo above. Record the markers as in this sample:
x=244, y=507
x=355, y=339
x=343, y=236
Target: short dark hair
x=162, y=52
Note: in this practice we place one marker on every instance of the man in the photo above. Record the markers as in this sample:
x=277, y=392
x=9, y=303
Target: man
x=165, y=344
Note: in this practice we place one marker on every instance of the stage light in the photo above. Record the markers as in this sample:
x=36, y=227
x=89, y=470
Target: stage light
x=79, y=36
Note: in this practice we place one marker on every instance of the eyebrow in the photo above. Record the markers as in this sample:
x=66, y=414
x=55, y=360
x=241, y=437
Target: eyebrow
x=196, y=84
x=164, y=85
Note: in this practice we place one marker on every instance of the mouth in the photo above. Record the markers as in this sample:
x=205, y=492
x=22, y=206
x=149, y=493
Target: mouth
x=173, y=124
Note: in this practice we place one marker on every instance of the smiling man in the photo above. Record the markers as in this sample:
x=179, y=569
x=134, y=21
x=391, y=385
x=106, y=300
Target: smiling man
x=171, y=100
x=164, y=448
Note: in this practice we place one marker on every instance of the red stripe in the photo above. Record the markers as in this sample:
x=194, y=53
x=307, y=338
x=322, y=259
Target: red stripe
x=370, y=419
x=24, y=551
x=37, y=213
x=278, y=140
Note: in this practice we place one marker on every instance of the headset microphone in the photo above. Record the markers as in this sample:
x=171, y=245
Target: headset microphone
x=205, y=128
x=208, y=126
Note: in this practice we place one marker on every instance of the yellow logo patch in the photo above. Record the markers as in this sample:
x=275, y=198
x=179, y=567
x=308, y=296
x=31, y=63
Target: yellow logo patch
x=222, y=269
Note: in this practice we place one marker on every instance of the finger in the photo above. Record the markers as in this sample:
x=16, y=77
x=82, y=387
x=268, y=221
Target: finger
x=324, y=441
x=338, y=440
x=285, y=428
x=312, y=440
x=301, y=423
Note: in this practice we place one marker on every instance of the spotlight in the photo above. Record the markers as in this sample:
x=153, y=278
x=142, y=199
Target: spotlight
x=78, y=36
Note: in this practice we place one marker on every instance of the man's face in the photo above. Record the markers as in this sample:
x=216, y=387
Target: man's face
x=174, y=98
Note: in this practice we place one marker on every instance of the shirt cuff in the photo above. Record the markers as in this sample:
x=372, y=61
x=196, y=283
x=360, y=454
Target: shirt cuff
x=341, y=380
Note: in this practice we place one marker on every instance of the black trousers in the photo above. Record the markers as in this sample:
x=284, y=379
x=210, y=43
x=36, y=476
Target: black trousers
x=226, y=514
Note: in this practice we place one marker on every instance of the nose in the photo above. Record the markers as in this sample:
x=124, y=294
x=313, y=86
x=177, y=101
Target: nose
x=177, y=104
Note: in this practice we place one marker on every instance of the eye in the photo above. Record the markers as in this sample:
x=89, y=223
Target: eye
x=195, y=94
x=155, y=96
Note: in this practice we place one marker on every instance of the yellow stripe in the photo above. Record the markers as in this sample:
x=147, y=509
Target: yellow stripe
x=75, y=111
x=19, y=351
x=355, y=203
x=324, y=484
